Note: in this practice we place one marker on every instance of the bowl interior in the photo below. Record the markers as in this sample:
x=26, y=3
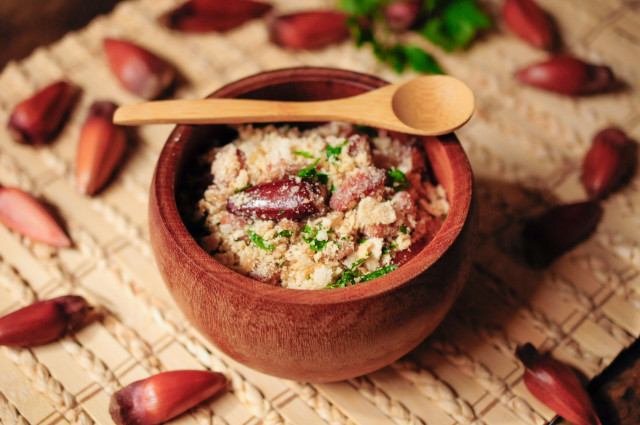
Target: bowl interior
x=448, y=161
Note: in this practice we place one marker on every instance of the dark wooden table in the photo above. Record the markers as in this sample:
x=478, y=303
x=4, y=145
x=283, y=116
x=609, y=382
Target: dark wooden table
x=25, y=25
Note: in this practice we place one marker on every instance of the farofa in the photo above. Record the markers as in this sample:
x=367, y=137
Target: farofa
x=359, y=200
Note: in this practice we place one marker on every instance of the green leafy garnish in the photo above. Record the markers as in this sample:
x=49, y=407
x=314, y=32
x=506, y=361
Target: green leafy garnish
x=259, y=241
x=242, y=189
x=310, y=172
x=348, y=277
x=315, y=244
x=454, y=24
x=378, y=273
x=303, y=153
x=387, y=249
x=333, y=152
x=400, y=56
x=397, y=180
x=404, y=229
x=362, y=240
x=421, y=61
x=359, y=7
x=286, y=233
x=448, y=24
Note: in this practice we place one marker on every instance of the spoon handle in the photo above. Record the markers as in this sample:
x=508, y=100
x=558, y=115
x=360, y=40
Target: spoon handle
x=216, y=111
x=236, y=111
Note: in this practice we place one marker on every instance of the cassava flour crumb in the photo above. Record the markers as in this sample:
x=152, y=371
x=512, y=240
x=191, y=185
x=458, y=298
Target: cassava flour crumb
x=326, y=207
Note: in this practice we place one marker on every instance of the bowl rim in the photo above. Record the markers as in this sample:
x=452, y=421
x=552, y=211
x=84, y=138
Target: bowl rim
x=163, y=187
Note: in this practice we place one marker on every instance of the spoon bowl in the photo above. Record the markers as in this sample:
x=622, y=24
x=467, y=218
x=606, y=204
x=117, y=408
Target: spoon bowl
x=425, y=106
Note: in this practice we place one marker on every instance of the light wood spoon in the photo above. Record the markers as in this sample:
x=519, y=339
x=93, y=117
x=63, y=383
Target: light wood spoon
x=426, y=106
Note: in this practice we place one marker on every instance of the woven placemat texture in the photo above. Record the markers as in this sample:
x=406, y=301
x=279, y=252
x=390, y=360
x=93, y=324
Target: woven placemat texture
x=525, y=147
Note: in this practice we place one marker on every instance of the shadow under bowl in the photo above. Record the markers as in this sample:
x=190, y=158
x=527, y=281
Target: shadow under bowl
x=314, y=335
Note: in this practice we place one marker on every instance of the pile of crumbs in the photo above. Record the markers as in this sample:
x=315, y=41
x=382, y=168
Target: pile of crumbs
x=363, y=200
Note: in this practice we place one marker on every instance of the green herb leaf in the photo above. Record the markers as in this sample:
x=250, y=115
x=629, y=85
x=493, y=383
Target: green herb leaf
x=310, y=172
x=257, y=239
x=286, y=233
x=333, y=151
x=404, y=229
x=397, y=180
x=378, y=273
x=303, y=153
x=360, y=35
x=430, y=5
x=359, y=7
x=347, y=279
x=421, y=61
x=396, y=57
x=456, y=26
x=349, y=276
x=242, y=189
x=315, y=244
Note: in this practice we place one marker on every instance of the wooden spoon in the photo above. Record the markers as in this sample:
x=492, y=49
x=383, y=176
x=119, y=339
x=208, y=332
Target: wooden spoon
x=426, y=106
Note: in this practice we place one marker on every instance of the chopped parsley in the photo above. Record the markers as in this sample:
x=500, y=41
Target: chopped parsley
x=303, y=153
x=397, y=180
x=362, y=240
x=404, y=229
x=315, y=244
x=242, y=189
x=333, y=152
x=349, y=276
x=310, y=172
x=378, y=273
x=259, y=241
x=286, y=233
x=387, y=249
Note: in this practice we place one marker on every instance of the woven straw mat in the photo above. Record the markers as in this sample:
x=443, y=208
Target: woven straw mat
x=525, y=147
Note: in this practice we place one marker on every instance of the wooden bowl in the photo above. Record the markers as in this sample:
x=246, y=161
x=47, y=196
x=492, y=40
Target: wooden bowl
x=315, y=335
